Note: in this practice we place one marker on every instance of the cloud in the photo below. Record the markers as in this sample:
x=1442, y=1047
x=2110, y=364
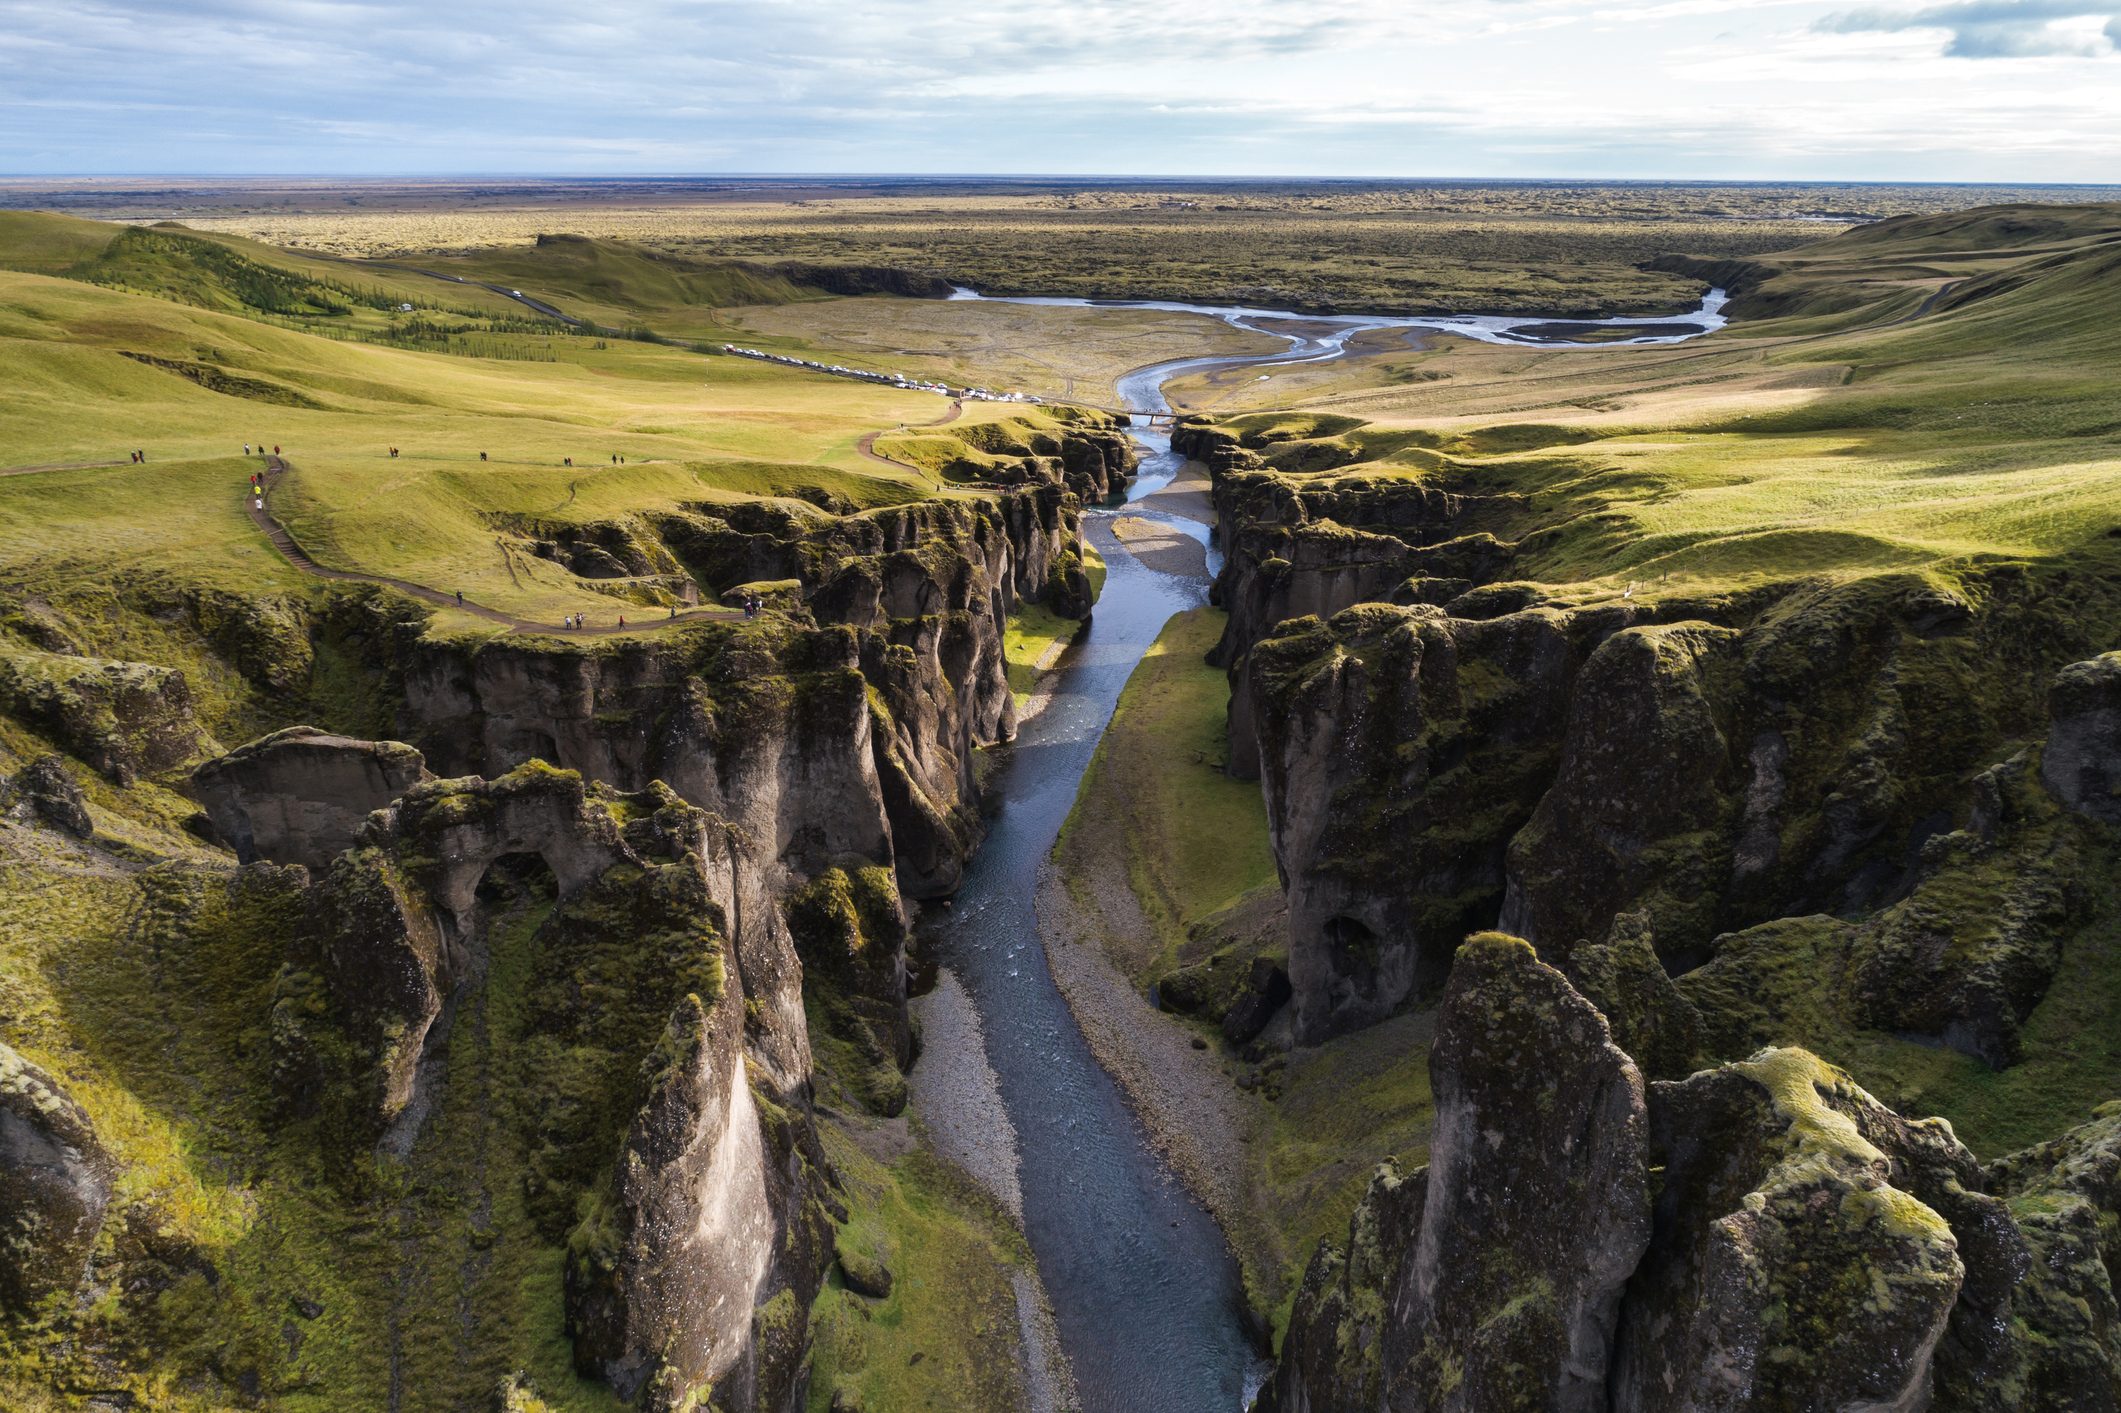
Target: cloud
x=1569, y=88
x=1995, y=29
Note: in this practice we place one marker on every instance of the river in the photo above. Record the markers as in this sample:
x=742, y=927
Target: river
x=1144, y=1289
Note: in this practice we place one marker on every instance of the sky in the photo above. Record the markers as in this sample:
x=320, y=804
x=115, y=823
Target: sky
x=1978, y=90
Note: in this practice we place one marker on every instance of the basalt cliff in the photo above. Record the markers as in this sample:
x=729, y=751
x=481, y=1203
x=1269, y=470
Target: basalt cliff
x=1696, y=838
x=524, y=950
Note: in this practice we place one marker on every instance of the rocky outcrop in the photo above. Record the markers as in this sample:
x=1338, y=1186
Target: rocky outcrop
x=1787, y=1270
x=1332, y=1356
x=124, y=719
x=300, y=796
x=1491, y=1278
x=45, y=792
x=1636, y=817
x=1712, y=765
x=1090, y=454
x=2082, y=763
x=1537, y=1204
x=55, y=1184
x=1298, y=547
x=1404, y=749
x=687, y=1188
x=674, y=1284
x=850, y=931
x=1757, y=1235
x=1650, y=1017
x=1964, y=957
x=845, y=732
x=2065, y=1196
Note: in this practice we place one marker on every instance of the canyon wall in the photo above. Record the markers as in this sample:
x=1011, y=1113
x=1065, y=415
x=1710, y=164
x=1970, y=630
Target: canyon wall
x=1759, y=1234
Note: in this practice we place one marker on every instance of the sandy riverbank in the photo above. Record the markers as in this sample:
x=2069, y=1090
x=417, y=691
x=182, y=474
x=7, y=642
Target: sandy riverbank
x=954, y=1096
x=1162, y=548
x=1187, y=494
x=1195, y=1115
x=956, y=1102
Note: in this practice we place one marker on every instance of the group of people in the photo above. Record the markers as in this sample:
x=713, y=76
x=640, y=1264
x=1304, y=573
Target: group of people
x=139, y=458
x=753, y=605
x=616, y=459
x=260, y=451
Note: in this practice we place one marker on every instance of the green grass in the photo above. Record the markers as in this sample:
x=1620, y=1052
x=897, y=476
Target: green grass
x=947, y=1335
x=620, y=285
x=692, y=429
x=1344, y=1107
x=1195, y=840
x=150, y=997
x=1034, y=635
x=1988, y=430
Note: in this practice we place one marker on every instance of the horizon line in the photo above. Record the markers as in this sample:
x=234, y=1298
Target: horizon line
x=1189, y=178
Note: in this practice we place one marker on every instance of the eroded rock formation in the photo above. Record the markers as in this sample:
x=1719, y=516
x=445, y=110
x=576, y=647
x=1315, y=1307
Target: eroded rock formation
x=702, y=1207
x=843, y=732
x=301, y=795
x=55, y=1182
x=1841, y=750
x=125, y=719
x=1758, y=1235
x=45, y=792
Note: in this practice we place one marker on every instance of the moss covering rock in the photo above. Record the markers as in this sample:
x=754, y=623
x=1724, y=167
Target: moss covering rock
x=55, y=1182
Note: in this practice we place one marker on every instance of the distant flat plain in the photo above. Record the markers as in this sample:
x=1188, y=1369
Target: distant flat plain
x=1573, y=249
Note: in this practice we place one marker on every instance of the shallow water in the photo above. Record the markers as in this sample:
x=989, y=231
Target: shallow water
x=1318, y=337
x=1143, y=1287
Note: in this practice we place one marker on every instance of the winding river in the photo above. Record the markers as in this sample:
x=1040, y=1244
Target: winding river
x=1143, y=1286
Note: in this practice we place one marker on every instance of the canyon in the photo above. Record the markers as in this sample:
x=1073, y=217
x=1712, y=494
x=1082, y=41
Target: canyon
x=424, y=1015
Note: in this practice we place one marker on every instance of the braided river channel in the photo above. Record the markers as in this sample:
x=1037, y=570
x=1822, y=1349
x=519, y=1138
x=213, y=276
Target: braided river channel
x=1143, y=1286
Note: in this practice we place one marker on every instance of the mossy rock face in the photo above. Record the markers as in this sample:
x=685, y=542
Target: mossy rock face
x=302, y=795
x=2082, y=762
x=124, y=719
x=55, y=1184
x=714, y=1204
x=1538, y=1205
x=864, y=1272
x=1788, y=1269
x=1401, y=751
x=1650, y=1017
x=266, y=638
x=1638, y=813
x=365, y=983
x=2066, y=1197
x=850, y=931
x=49, y=795
x=1963, y=958
x=1332, y=1355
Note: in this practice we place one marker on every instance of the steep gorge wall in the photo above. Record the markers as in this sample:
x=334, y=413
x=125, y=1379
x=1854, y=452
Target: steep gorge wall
x=1760, y=1234
x=1847, y=750
x=1442, y=750
x=730, y=812
x=843, y=731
